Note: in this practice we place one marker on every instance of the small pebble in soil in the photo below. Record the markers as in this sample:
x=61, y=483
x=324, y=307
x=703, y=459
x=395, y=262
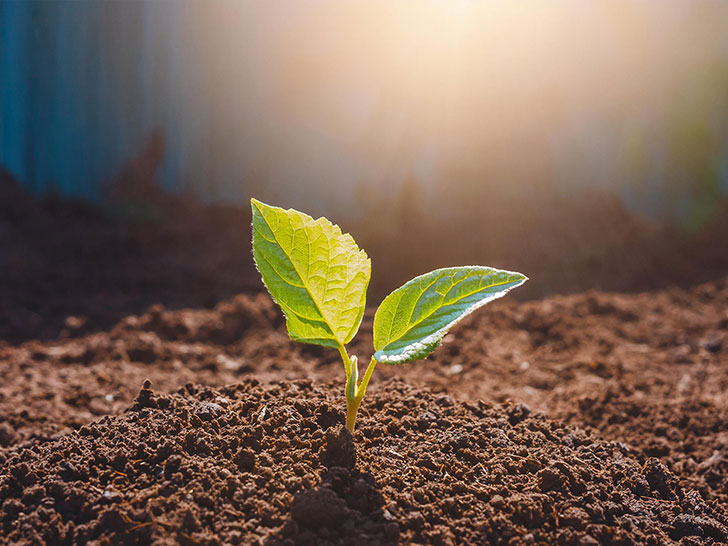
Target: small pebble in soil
x=455, y=369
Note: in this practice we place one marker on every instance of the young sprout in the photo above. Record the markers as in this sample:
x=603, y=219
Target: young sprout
x=319, y=277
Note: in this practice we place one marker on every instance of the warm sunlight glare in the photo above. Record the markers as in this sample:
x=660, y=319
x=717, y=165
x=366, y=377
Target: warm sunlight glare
x=372, y=92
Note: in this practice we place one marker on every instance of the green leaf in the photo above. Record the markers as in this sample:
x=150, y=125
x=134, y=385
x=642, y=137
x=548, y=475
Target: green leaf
x=316, y=273
x=412, y=320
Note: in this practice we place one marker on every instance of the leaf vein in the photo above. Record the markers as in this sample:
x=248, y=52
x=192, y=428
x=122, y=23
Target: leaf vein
x=415, y=324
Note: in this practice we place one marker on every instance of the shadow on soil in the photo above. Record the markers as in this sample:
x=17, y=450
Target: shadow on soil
x=347, y=503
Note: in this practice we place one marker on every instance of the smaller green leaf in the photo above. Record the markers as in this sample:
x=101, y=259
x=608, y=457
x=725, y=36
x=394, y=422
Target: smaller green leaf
x=412, y=320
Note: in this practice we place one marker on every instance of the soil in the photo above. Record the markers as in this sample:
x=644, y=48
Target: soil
x=271, y=464
x=69, y=263
x=629, y=387
x=586, y=418
x=73, y=262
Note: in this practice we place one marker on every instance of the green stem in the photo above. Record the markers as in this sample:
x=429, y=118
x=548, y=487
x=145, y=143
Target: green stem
x=347, y=361
x=352, y=408
x=353, y=402
x=365, y=381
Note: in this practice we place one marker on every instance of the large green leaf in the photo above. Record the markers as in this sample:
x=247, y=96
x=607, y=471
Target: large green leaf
x=412, y=320
x=316, y=273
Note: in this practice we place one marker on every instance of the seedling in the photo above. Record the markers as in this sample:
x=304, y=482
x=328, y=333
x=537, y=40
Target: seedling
x=319, y=277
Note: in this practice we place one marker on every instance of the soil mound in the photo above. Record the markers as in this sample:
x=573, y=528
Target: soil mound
x=269, y=463
x=648, y=370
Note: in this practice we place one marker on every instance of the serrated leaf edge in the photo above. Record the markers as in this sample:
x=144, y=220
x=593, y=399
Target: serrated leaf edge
x=285, y=308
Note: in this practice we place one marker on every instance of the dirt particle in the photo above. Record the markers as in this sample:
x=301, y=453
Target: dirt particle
x=689, y=525
x=68, y=471
x=550, y=479
x=391, y=532
x=712, y=343
x=518, y=413
x=245, y=459
x=318, y=508
x=425, y=420
x=415, y=521
x=574, y=517
x=33, y=494
x=338, y=448
x=11, y=508
x=172, y=464
x=207, y=411
x=661, y=479
x=111, y=520
x=145, y=398
x=327, y=416
x=7, y=435
x=190, y=520
x=112, y=497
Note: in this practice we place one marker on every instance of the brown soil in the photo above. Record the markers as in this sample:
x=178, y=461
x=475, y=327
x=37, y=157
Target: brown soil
x=646, y=371
x=61, y=259
x=613, y=427
x=70, y=264
x=255, y=463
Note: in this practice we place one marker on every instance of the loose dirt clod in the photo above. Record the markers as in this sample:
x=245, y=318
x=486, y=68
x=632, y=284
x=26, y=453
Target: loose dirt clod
x=338, y=449
x=189, y=470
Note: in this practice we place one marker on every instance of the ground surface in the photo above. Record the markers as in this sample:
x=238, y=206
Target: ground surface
x=647, y=372
x=578, y=419
x=271, y=464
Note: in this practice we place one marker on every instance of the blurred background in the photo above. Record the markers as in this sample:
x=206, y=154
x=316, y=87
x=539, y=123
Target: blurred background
x=583, y=143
